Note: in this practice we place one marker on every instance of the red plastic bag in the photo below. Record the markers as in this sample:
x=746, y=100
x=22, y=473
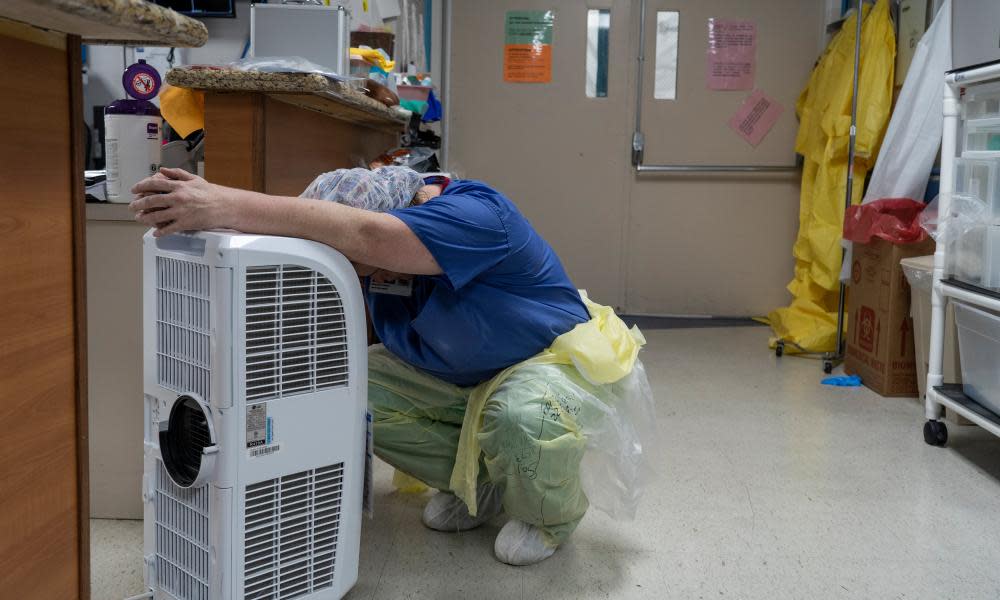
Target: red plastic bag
x=895, y=220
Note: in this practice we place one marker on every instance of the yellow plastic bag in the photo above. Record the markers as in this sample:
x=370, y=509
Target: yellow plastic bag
x=406, y=484
x=604, y=350
x=375, y=57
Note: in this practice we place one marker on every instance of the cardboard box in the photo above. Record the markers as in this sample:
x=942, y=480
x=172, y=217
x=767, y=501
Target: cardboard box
x=879, y=328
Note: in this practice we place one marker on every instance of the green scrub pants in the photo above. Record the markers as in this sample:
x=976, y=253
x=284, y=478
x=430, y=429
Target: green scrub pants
x=531, y=436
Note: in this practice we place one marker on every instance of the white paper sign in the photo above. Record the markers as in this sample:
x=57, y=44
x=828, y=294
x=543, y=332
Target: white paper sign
x=665, y=74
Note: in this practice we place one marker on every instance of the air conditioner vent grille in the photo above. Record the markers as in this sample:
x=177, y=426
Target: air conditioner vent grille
x=181, y=538
x=291, y=528
x=183, y=326
x=296, y=333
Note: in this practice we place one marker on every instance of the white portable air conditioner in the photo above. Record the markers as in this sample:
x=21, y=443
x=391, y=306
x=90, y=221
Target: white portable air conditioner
x=255, y=387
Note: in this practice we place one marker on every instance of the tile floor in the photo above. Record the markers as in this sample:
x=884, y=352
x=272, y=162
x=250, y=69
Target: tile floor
x=769, y=486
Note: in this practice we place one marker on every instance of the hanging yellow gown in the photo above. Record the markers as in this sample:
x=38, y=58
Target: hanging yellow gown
x=824, y=111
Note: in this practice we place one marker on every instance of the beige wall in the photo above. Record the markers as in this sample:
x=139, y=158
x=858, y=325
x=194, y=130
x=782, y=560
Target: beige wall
x=114, y=348
x=654, y=244
x=559, y=155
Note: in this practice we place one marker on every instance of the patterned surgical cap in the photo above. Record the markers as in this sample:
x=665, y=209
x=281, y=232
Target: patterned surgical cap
x=380, y=190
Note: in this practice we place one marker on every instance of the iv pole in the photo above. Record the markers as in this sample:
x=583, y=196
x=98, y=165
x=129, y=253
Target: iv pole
x=838, y=355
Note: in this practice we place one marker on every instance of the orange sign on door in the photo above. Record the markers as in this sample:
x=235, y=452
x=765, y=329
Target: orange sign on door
x=528, y=46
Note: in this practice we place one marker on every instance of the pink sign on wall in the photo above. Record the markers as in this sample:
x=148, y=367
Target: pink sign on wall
x=732, y=54
x=755, y=117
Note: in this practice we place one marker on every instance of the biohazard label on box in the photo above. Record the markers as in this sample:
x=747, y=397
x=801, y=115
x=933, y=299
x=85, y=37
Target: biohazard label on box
x=880, y=345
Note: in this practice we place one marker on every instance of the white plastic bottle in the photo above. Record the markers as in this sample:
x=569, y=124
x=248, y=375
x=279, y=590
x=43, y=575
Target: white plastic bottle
x=132, y=133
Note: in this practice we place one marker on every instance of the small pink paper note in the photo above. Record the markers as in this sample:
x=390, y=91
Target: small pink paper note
x=755, y=117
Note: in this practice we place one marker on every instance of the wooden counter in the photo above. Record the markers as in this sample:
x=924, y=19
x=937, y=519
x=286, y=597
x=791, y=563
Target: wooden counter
x=275, y=132
x=44, y=526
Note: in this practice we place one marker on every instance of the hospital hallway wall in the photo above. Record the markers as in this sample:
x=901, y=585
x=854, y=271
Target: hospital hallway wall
x=687, y=244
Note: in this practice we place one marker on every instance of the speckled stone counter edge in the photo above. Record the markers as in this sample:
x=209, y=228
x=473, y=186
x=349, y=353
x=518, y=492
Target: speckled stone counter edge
x=146, y=19
x=231, y=80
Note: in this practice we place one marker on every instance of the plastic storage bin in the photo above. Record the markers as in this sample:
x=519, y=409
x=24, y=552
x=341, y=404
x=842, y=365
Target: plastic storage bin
x=981, y=101
x=980, y=178
x=919, y=274
x=979, y=346
x=982, y=136
x=982, y=120
x=975, y=257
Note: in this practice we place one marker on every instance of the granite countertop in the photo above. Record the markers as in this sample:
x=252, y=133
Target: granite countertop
x=308, y=90
x=109, y=21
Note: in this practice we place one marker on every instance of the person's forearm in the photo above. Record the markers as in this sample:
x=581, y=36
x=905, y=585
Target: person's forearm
x=362, y=236
x=330, y=223
x=175, y=200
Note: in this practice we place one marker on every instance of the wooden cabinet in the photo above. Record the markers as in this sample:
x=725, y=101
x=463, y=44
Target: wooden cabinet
x=44, y=520
x=43, y=406
x=260, y=142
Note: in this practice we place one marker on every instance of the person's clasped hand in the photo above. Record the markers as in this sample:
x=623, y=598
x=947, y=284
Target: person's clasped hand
x=174, y=200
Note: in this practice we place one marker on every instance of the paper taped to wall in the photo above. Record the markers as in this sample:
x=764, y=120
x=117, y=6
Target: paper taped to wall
x=755, y=117
x=665, y=75
x=527, y=54
x=732, y=54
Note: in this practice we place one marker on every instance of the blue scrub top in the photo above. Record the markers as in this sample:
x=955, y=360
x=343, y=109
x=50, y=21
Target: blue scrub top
x=503, y=295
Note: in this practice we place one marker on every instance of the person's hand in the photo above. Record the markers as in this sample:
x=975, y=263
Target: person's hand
x=174, y=200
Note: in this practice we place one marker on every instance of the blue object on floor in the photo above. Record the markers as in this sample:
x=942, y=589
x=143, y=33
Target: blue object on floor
x=434, y=109
x=843, y=381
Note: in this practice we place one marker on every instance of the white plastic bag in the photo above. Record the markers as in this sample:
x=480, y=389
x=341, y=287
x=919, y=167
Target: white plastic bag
x=914, y=135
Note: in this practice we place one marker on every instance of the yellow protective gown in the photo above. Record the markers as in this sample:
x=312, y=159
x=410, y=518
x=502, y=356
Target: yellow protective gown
x=824, y=111
x=558, y=432
x=603, y=350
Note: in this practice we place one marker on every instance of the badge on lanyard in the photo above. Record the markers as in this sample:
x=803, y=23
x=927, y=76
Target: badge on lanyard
x=394, y=287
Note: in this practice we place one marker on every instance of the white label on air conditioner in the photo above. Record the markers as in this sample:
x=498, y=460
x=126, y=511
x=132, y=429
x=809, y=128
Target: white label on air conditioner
x=260, y=427
x=263, y=450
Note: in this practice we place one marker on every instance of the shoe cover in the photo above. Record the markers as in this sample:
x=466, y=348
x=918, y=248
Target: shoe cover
x=520, y=544
x=447, y=512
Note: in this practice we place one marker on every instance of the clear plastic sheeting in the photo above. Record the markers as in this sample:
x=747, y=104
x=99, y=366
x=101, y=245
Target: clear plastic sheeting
x=284, y=64
x=553, y=442
x=966, y=214
x=558, y=432
x=613, y=472
x=963, y=231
